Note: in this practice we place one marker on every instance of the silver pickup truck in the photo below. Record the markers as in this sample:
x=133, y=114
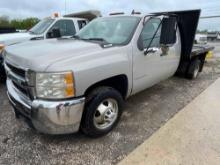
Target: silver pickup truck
x=60, y=86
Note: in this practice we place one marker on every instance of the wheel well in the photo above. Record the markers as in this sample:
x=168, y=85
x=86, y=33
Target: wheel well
x=120, y=83
x=184, y=65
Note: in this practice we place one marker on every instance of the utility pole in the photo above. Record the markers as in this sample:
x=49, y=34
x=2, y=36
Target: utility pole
x=65, y=7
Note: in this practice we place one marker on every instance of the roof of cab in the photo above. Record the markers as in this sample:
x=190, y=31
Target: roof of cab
x=89, y=14
x=72, y=18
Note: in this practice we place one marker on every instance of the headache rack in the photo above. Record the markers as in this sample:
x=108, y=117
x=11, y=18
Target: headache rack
x=187, y=21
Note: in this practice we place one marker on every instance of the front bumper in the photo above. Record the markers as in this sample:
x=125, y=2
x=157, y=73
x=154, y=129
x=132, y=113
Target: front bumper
x=49, y=117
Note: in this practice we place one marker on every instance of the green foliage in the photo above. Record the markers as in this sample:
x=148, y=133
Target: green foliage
x=18, y=23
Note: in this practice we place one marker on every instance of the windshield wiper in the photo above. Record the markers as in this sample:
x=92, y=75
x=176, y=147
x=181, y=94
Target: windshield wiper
x=89, y=39
x=104, y=42
x=97, y=39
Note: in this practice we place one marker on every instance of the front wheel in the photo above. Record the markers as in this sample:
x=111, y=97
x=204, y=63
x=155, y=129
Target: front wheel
x=102, y=111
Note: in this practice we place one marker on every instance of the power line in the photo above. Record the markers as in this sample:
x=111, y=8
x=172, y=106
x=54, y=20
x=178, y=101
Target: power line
x=206, y=17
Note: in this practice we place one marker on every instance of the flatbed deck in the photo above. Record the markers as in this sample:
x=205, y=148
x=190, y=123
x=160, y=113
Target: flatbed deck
x=201, y=49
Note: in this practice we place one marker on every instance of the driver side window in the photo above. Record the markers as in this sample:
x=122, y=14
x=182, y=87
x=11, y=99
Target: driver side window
x=67, y=28
x=149, y=30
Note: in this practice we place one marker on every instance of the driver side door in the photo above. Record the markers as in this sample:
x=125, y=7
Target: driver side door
x=147, y=68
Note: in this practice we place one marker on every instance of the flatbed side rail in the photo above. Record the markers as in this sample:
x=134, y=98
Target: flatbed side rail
x=200, y=49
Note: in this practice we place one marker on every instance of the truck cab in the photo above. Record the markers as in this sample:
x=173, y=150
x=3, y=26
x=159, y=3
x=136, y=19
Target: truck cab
x=43, y=30
x=64, y=85
x=66, y=27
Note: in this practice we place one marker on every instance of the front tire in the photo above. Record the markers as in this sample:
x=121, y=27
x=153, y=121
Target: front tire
x=102, y=112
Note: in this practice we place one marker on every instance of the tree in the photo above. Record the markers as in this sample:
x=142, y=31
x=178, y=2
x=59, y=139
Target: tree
x=24, y=24
x=18, y=23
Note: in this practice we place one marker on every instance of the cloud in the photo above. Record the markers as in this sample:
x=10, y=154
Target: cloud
x=44, y=8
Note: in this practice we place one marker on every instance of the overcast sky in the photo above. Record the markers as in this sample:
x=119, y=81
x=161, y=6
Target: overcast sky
x=44, y=8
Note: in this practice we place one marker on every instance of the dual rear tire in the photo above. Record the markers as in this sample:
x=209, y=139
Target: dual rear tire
x=194, y=69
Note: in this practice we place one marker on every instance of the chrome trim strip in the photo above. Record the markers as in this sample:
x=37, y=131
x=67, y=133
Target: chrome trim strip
x=18, y=79
x=16, y=66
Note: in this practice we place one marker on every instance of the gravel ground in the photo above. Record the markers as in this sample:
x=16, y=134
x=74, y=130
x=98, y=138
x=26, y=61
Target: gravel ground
x=144, y=114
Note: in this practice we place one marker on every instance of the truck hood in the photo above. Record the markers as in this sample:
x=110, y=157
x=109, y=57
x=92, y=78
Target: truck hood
x=13, y=38
x=39, y=55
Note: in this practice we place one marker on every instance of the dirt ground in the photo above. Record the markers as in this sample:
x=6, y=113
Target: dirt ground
x=144, y=114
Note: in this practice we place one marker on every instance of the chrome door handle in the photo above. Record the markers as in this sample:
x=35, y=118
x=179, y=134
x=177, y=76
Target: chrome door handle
x=150, y=50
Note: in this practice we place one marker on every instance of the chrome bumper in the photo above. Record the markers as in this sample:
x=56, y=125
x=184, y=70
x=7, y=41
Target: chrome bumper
x=49, y=117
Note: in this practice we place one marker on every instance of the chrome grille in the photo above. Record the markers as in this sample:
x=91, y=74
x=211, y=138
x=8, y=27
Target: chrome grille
x=21, y=89
x=18, y=71
x=17, y=75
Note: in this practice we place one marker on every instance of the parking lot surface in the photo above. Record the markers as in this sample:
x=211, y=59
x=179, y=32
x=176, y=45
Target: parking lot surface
x=195, y=128
x=144, y=114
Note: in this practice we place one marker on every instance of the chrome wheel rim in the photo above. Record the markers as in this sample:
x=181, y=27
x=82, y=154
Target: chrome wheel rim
x=106, y=114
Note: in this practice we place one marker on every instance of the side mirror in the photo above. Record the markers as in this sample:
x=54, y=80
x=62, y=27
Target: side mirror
x=56, y=33
x=168, y=31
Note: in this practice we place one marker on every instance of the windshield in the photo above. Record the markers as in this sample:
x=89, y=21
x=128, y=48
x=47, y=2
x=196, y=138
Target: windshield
x=42, y=26
x=113, y=30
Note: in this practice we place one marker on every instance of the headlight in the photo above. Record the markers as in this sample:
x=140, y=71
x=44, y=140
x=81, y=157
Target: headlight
x=55, y=85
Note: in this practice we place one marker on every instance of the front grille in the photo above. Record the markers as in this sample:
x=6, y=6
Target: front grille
x=17, y=75
x=23, y=90
x=17, y=71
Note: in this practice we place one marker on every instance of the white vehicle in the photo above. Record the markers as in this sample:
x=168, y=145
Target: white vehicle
x=68, y=26
x=43, y=30
x=201, y=39
x=48, y=28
